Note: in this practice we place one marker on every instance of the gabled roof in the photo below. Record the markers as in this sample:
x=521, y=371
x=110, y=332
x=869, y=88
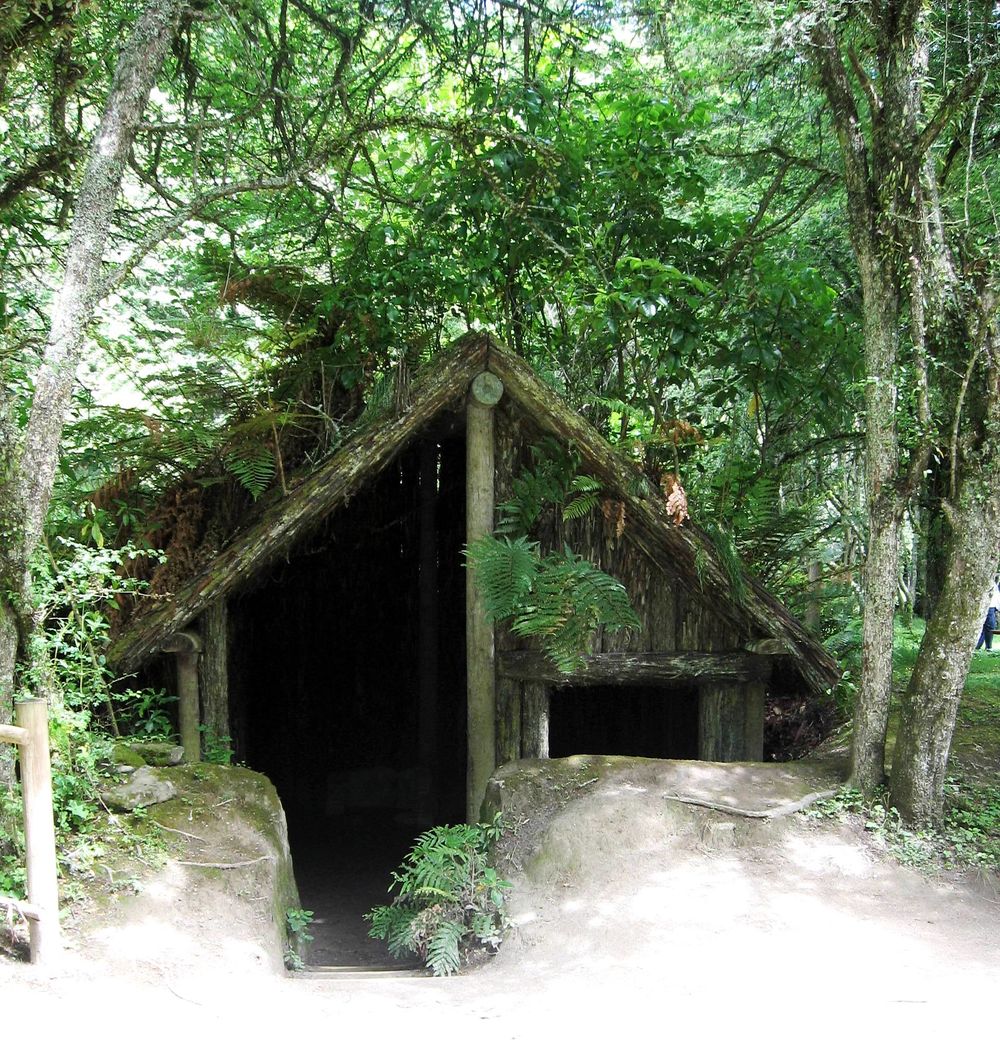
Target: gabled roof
x=681, y=551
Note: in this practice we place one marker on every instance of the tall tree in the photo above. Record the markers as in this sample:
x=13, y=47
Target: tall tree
x=924, y=314
x=29, y=465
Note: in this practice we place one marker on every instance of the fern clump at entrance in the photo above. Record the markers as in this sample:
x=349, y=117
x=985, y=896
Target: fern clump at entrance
x=450, y=901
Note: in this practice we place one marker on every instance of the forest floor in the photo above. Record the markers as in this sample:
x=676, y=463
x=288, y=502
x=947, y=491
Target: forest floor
x=637, y=914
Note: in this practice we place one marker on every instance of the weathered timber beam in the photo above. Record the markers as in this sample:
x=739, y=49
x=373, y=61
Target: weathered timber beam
x=480, y=471
x=182, y=643
x=641, y=669
x=39, y=831
x=14, y=735
x=773, y=647
x=25, y=910
x=187, y=646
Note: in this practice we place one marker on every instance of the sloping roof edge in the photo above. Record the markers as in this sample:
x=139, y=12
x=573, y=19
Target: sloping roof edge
x=685, y=551
x=680, y=550
x=292, y=517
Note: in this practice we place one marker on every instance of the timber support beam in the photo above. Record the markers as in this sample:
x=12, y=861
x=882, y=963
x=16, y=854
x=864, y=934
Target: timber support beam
x=480, y=450
x=639, y=669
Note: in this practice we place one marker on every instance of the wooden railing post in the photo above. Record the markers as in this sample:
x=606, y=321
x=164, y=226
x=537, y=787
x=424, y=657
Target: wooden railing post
x=39, y=831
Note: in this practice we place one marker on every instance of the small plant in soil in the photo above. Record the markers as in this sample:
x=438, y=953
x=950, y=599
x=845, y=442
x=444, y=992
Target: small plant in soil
x=450, y=902
x=297, y=921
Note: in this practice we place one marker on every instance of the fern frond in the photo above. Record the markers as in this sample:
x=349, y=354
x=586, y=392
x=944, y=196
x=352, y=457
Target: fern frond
x=253, y=467
x=443, y=955
x=581, y=506
x=393, y=924
x=505, y=570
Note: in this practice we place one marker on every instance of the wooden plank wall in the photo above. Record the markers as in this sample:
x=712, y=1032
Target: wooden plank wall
x=672, y=617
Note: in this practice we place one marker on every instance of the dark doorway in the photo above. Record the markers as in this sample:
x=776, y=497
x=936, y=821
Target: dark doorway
x=624, y=720
x=327, y=694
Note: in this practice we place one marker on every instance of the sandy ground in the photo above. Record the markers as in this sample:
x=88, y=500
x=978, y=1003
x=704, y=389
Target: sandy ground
x=636, y=914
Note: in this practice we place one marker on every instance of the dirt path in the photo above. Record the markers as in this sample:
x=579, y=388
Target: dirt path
x=638, y=918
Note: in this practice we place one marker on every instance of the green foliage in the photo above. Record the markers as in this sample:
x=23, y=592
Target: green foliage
x=216, y=748
x=297, y=922
x=553, y=480
x=74, y=586
x=560, y=599
x=146, y=713
x=13, y=873
x=253, y=466
x=968, y=836
x=449, y=899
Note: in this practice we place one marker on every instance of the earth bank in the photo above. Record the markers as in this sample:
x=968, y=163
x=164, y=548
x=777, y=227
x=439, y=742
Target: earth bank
x=632, y=906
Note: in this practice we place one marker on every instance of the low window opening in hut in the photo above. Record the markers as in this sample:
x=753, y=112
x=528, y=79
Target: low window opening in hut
x=351, y=700
x=652, y=721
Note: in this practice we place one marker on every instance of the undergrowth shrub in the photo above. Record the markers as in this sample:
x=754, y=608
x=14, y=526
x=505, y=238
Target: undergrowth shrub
x=449, y=902
x=74, y=586
x=968, y=835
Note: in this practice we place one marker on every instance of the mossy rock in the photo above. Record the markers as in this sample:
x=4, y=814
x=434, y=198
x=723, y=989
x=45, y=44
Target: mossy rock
x=158, y=753
x=239, y=809
x=125, y=755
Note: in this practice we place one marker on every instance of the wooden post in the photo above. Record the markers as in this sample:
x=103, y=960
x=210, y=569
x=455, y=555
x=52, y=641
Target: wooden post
x=535, y=703
x=721, y=722
x=508, y=720
x=213, y=669
x=39, y=831
x=754, y=721
x=427, y=647
x=187, y=646
x=480, y=453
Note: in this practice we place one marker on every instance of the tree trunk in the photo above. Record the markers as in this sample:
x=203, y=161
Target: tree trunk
x=8, y=658
x=871, y=714
x=28, y=478
x=931, y=700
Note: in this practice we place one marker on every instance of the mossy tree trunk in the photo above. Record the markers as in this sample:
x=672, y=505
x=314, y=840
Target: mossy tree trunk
x=917, y=300
x=930, y=702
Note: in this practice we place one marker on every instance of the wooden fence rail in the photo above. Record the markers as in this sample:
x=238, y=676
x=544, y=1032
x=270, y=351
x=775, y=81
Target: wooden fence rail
x=31, y=735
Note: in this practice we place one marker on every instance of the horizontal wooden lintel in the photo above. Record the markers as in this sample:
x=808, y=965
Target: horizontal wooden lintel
x=23, y=908
x=639, y=669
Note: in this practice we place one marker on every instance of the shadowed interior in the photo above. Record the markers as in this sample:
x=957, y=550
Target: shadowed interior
x=648, y=721
x=326, y=691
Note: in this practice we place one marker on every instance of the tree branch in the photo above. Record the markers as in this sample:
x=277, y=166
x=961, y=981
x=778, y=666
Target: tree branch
x=49, y=161
x=947, y=108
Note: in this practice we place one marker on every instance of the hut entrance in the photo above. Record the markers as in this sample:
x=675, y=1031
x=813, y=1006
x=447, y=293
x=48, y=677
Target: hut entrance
x=348, y=678
x=624, y=720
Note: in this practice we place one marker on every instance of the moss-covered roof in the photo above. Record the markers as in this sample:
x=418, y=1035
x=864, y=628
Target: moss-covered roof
x=684, y=551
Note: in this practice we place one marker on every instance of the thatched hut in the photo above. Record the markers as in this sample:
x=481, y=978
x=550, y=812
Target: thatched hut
x=338, y=639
